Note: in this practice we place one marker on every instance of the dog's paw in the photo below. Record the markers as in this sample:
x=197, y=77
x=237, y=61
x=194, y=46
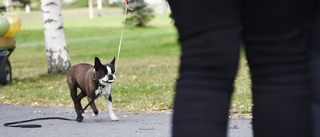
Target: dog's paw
x=96, y=112
x=114, y=118
x=79, y=118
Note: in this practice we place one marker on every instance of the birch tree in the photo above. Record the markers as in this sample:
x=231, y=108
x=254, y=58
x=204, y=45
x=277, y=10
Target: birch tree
x=55, y=41
x=90, y=5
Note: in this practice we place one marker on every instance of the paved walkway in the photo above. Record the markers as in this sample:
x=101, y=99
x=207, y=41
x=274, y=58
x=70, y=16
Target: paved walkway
x=130, y=124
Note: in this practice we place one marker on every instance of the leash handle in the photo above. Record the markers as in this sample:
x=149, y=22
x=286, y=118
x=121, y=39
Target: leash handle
x=30, y=126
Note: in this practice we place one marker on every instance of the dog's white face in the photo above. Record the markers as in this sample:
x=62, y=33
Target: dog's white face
x=105, y=73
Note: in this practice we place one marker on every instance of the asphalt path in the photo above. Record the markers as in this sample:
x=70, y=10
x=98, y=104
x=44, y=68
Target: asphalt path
x=129, y=125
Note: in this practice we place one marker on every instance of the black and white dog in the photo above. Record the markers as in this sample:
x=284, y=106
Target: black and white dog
x=91, y=80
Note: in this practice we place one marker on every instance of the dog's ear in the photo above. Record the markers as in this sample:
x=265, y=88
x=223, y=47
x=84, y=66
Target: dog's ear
x=113, y=61
x=97, y=63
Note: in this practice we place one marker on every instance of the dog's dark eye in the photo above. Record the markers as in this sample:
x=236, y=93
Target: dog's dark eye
x=101, y=73
x=111, y=68
x=105, y=71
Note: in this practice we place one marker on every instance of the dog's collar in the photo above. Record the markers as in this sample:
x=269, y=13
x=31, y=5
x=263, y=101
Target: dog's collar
x=100, y=85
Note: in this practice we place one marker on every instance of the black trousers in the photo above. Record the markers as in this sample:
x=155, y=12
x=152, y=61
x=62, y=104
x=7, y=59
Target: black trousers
x=276, y=37
x=315, y=71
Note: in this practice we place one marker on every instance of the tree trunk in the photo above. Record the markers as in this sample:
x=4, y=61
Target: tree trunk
x=55, y=41
x=99, y=4
x=99, y=7
x=7, y=4
x=90, y=4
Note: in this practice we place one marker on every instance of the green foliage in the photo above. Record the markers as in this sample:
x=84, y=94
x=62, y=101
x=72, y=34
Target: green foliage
x=82, y=4
x=140, y=15
x=78, y=3
x=24, y=2
x=117, y=4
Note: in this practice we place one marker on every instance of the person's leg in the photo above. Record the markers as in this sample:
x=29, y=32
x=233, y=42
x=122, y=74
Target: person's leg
x=276, y=40
x=314, y=69
x=209, y=33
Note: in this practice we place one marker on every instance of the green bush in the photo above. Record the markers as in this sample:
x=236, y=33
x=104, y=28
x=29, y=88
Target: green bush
x=140, y=14
x=77, y=3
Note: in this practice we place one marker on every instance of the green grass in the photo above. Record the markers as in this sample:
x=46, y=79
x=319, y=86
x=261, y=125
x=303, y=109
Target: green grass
x=241, y=100
x=147, y=68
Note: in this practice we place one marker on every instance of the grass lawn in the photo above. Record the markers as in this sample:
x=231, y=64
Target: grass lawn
x=147, y=67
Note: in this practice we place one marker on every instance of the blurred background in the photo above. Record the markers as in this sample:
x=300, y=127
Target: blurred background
x=147, y=67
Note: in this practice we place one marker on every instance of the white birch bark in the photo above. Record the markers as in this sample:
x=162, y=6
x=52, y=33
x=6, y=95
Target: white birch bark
x=7, y=4
x=55, y=41
x=99, y=7
x=90, y=4
x=27, y=8
x=99, y=4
